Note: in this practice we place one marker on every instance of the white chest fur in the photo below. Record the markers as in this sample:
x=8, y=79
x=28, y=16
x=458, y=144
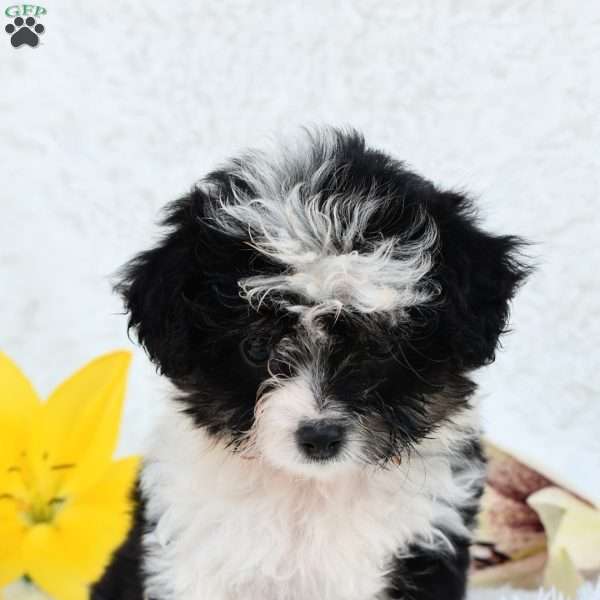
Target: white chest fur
x=233, y=529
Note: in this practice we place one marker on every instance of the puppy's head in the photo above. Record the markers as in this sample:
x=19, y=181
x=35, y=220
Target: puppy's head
x=321, y=309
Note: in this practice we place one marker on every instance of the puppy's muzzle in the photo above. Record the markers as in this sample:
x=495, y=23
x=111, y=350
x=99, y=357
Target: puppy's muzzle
x=321, y=439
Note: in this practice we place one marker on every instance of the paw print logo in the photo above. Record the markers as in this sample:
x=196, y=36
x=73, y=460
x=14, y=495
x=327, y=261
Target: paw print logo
x=24, y=32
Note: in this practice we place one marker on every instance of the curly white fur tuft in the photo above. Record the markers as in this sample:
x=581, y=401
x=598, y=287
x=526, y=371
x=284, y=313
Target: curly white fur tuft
x=287, y=218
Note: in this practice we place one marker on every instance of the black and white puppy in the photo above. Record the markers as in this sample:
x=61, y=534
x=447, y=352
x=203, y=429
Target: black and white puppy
x=319, y=311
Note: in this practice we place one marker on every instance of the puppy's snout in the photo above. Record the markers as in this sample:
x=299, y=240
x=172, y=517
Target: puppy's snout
x=320, y=440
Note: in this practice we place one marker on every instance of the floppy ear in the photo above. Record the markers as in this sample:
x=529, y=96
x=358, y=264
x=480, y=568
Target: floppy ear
x=163, y=288
x=480, y=274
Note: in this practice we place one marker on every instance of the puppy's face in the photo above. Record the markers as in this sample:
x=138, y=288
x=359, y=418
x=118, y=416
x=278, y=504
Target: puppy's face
x=321, y=310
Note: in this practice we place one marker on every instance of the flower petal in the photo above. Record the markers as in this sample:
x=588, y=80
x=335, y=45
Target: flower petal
x=526, y=573
x=23, y=590
x=51, y=566
x=571, y=524
x=18, y=404
x=512, y=527
x=76, y=548
x=80, y=421
x=12, y=534
x=17, y=396
x=116, y=486
x=58, y=587
x=511, y=477
x=562, y=574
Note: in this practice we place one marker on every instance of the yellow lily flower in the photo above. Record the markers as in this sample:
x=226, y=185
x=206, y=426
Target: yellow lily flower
x=23, y=590
x=65, y=504
x=573, y=530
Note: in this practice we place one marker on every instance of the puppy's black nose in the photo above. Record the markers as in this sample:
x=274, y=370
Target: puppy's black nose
x=320, y=441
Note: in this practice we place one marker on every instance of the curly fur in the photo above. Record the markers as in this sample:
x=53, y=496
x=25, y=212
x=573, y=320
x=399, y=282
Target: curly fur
x=324, y=288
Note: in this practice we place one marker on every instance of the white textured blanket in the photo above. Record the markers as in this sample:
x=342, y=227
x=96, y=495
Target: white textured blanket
x=124, y=105
x=588, y=592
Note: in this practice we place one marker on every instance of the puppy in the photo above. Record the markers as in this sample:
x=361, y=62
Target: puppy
x=319, y=312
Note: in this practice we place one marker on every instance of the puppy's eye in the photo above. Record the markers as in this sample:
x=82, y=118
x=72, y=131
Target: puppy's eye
x=256, y=350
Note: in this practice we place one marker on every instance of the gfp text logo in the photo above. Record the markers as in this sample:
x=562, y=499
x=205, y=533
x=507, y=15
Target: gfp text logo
x=24, y=29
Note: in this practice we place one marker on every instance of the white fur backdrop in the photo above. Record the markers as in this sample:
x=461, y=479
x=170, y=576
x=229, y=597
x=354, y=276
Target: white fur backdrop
x=588, y=592
x=124, y=105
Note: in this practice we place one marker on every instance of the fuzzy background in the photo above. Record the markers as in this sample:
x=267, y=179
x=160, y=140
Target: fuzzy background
x=124, y=105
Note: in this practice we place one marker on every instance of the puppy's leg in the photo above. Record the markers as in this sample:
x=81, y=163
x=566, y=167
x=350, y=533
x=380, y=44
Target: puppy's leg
x=428, y=574
x=431, y=575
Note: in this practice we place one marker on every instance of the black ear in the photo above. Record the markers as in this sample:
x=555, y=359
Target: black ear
x=163, y=288
x=480, y=274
